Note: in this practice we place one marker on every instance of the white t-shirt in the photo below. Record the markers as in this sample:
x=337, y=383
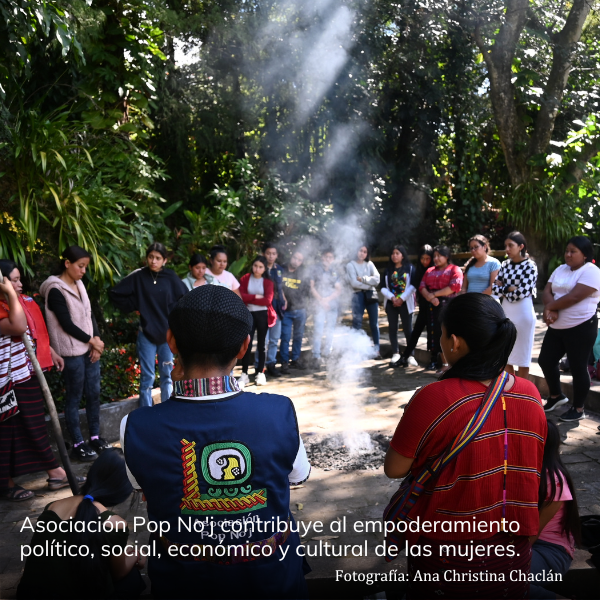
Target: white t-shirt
x=563, y=280
x=226, y=279
x=256, y=287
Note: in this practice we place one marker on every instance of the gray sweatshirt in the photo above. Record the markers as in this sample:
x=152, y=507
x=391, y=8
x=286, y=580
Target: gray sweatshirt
x=367, y=272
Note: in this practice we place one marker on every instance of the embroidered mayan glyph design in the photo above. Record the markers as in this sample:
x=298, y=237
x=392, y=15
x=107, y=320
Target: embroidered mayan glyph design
x=225, y=467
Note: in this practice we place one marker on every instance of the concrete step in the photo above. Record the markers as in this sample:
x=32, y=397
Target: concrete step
x=592, y=402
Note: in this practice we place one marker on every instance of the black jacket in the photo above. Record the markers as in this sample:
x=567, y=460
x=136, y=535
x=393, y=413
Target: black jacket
x=154, y=295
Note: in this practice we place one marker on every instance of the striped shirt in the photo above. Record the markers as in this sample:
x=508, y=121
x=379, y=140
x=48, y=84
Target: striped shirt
x=20, y=366
x=471, y=487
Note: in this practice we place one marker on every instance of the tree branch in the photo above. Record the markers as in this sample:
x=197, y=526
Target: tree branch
x=498, y=59
x=575, y=170
x=535, y=24
x=565, y=44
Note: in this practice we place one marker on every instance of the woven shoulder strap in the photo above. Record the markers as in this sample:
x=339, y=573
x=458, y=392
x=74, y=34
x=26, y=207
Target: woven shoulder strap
x=472, y=428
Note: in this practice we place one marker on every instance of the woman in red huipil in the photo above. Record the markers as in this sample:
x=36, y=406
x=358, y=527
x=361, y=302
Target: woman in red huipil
x=24, y=443
x=439, y=284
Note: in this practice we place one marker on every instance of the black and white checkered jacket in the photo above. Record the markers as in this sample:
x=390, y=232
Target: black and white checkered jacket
x=523, y=275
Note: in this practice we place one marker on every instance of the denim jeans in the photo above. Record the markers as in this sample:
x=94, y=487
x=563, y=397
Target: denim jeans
x=324, y=321
x=272, y=340
x=82, y=376
x=546, y=557
x=358, y=308
x=147, y=352
x=292, y=319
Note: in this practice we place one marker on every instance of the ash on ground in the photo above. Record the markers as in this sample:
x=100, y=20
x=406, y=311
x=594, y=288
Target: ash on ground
x=331, y=452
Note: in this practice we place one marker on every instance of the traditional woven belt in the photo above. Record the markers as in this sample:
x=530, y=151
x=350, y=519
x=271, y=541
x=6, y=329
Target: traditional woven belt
x=196, y=552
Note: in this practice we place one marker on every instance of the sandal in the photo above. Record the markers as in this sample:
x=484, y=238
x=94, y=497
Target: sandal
x=18, y=494
x=54, y=483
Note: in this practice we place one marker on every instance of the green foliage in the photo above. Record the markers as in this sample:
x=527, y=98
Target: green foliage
x=247, y=212
x=258, y=139
x=22, y=24
x=529, y=207
x=75, y=185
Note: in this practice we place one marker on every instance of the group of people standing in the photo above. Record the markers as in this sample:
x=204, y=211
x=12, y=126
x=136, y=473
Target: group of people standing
x=279, y=299
x=480, y=320
x=570, y=301
x=513, y=474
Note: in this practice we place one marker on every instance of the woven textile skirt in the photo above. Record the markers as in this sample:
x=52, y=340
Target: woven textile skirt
x=522, y=314
x=24, y=443
x=489, y=576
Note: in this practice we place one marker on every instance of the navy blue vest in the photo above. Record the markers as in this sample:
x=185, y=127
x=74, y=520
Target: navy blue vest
x=224, y=463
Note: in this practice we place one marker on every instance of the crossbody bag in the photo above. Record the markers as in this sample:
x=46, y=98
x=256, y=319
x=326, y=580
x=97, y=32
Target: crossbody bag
x=369, y=295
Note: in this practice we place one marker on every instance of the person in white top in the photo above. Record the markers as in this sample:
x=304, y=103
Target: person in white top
x=516, y=285
x=570, y=303
x=218, y=264
x=363, y=277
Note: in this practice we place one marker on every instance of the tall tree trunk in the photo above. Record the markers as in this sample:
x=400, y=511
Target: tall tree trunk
x=518, y=144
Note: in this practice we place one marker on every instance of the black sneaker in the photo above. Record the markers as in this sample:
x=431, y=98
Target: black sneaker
x=285, y=369
x=83, y=453
x=99, y=445
x=552, y=403
x=572, y=415
x=431, y=367
x=272, y=371
x=298, y=364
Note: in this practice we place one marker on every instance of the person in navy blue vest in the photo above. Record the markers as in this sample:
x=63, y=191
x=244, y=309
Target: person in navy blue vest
x=216, y=464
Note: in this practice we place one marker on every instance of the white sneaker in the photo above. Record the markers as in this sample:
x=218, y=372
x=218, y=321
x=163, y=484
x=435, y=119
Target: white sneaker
x=243, y=381
x=412, y=361
x=395, y=359
x=260, y=379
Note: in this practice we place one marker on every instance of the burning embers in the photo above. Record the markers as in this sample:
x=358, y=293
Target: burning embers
x=366, y=450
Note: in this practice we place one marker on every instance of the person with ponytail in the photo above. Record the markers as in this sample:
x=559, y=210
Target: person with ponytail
x=75, y=336
x=570, y=304
x=481, y=269
x=425, y=260
x=439, y=284
x=516, y=286
x=399, y=292
x=153, y=291
x=24, y=443
x=363, y=277
x=257, y=290
x=84, y=522
x=495, y=476
x=554, y=546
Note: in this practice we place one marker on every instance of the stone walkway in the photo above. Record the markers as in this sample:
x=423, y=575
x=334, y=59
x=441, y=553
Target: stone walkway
x=370, y=400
